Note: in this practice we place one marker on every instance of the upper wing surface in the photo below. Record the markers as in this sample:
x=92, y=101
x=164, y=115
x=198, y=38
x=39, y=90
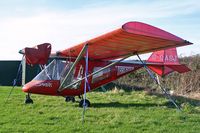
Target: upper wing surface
x=131, y=38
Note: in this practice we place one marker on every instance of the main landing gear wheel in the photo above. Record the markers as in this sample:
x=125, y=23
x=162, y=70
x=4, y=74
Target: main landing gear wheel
x=28, y=100
x=87, y=103
x=68, y=99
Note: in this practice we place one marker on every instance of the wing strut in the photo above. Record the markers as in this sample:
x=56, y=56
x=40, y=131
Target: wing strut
x=158, y=83
x=86, y=85
x=89, y=75
x=61, y=87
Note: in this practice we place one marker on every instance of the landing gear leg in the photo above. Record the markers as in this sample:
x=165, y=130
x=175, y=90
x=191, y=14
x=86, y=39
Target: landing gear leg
x=69, y=98
x=80, y=97
x=28, y=99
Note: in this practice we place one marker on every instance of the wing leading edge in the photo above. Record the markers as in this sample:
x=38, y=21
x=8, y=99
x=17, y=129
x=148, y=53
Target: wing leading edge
x=132, y=37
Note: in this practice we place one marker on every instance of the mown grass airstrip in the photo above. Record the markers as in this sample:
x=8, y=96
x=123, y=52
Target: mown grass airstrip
x=121, y=112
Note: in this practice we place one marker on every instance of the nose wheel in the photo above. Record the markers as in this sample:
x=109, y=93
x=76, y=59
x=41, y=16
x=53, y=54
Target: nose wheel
x=28, y=99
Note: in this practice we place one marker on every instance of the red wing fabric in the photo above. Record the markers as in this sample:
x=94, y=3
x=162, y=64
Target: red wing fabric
x=38, y=54
x=131, y=38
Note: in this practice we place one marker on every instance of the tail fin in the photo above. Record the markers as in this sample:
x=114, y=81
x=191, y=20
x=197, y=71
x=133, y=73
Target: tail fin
x=167, y=56
x=166, y=61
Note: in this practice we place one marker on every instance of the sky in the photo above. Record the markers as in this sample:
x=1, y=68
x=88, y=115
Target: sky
x=65, y=23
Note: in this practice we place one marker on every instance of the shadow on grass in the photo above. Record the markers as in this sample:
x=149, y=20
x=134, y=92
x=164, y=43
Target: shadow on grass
x=168, y=104
x=178, y=99
x=181, y=101
x=124, y=105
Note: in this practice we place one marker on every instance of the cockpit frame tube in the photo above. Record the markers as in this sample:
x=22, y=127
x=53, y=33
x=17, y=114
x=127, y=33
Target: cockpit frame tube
x=61, y=88
x=89, y=75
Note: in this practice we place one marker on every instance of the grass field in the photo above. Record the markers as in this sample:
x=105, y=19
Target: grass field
x=122, y=112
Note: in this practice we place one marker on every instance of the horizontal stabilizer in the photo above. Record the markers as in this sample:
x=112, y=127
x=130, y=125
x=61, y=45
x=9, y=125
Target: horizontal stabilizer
x=180, y=68
x=160, y=69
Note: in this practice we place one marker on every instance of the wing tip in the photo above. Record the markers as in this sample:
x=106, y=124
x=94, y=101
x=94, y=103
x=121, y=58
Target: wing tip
x=141, y=28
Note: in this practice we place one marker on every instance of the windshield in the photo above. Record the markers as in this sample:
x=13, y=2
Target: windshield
x=56, y=70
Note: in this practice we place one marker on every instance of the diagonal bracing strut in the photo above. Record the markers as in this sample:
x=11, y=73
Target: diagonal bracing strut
x=61, y=87
x=89, y=75
x=157, y=82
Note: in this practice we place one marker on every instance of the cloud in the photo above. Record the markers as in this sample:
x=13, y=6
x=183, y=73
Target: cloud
x=64, y=28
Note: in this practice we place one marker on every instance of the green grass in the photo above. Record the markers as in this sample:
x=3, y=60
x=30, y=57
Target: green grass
x=122, y=112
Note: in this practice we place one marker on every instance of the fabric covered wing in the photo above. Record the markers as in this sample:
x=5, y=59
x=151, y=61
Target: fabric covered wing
x=38, y=54
x=131, y=38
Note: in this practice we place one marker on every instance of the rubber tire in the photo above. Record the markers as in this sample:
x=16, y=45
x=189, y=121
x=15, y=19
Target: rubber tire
x=28, y=101
x=87, y=102
x=73, y=99
x=69, y=98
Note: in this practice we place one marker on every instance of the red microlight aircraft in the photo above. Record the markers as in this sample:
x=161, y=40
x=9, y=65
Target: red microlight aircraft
x=96, y=62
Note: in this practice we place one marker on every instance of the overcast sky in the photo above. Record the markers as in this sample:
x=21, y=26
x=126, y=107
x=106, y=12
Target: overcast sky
x=64, y=23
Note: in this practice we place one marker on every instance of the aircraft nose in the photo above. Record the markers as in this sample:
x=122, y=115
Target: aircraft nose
x=25, y=88
x=29, y=87
x=42, y=87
